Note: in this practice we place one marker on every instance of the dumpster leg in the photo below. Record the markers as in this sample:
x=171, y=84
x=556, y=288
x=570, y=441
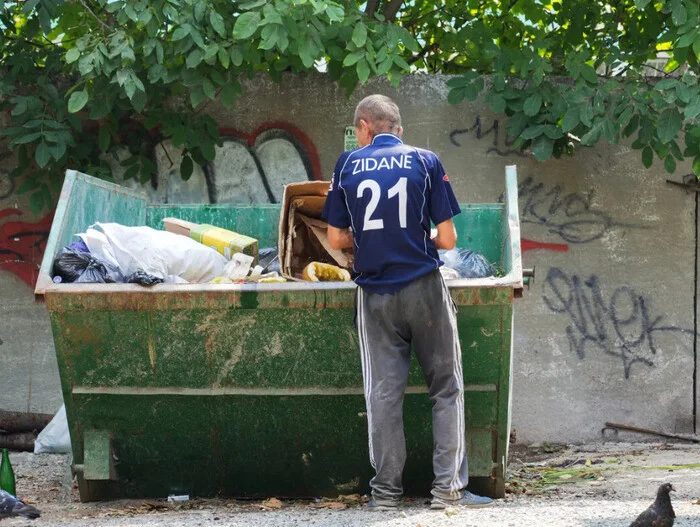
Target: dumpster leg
x=98, y=459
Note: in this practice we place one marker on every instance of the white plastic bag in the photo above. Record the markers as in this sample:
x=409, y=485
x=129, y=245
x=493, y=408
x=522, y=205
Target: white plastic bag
x=170, y=256
x=54, y=438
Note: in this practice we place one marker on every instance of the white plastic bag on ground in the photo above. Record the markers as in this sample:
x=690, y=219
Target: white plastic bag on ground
x=54, y=438
x=170, y=256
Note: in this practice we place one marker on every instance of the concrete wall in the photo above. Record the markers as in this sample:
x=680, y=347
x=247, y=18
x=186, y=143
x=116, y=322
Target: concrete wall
x=606, y=333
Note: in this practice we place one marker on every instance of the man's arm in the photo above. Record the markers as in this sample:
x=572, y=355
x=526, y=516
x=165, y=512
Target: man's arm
x=446, y=237
x=340, y=238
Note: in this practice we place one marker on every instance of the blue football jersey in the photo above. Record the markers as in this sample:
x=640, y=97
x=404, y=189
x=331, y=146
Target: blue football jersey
x=388, y=193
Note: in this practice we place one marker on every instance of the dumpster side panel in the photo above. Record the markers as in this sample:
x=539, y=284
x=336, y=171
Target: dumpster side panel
x=85, y=200
x=479, y=229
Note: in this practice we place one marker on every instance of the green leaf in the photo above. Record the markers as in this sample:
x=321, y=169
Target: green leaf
x=631, y=126
x=197, y=96
x=542, y=148
x=363, y=71
x=647, y=156
x=72, y=55
x=194, y=59
x=456, y=95
x=693, y=109
x=669, y=124
x=253, y=4
x=228, y=95
x=224, y=58
x=186, y=167
x=679, y=14
x=532, y=104
x=180, y=33
x=217, y=22
x=696, y=45
x=359, y=35
x=353, y=58
x=696, y=166
x=28, y=138
x=593, y=135
x=36, y=202
x=641, y=4
x=610, y=130
x=29, y=6
x=670, y=164
x=104, y=138
x=29, y=184
x=532, y=132
x=42, y=154
x=666, y=84
x=305, y=53
x=246, y=25
x=571, y=119
x=77, y=101
x=498, y=103
x=208, y=88
x=589, y=74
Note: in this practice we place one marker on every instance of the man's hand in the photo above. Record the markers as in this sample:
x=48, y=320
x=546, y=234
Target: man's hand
x=339, y=238
x=446, y=236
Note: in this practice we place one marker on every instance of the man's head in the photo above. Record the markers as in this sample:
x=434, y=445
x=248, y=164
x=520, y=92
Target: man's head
x=374, y=115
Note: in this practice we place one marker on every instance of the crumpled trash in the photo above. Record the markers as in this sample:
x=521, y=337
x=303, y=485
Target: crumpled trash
x=143, y=278
x=238, y=267
x=82, y=267
x=448, y=273
x=54, y=438
x=467, y=263
x=79, y=246
x=175, y=258
x=268, y=259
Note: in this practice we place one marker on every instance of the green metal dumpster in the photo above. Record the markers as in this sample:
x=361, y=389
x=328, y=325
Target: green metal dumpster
x=256, y=390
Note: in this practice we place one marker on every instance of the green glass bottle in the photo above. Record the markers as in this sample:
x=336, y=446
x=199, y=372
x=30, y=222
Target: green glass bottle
x=7, y=475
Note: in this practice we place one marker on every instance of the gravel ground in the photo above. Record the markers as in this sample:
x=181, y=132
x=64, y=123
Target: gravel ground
x=599, y=485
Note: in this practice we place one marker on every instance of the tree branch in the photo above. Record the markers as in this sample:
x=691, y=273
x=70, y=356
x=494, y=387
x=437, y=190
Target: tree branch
x=87, y=7
x=371, y=8
x=423, y=52
x=391, y=9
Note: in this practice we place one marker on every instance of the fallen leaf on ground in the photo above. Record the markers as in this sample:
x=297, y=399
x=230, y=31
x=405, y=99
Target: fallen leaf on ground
x=330, y=505
x=272, y=503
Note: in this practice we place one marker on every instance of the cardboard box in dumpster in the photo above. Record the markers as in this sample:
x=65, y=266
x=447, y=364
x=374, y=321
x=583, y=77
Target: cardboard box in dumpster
x=303, y=235
x=226, y=242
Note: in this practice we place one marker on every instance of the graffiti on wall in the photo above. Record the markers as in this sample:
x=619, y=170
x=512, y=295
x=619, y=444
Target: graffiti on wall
x=620, y=325
x=248, y=168
x=493, y=132
x=22, y=244
x=567, y=215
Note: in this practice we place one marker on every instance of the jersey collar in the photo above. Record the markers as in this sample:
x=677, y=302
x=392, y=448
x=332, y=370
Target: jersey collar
x=386, y=138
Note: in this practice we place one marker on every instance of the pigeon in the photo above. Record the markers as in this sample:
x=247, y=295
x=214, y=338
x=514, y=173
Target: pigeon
x=660, y=513
x=11, y=506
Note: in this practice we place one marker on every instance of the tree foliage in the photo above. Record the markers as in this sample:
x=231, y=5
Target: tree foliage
x=83, y=79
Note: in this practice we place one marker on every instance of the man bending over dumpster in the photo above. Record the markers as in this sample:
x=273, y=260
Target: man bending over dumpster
x=382, y=199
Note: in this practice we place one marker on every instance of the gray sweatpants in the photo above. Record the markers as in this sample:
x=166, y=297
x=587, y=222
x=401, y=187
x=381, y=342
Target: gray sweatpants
x=424, y=315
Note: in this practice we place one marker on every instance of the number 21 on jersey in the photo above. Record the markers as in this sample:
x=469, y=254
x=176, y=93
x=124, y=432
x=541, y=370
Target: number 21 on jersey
x=375, y=190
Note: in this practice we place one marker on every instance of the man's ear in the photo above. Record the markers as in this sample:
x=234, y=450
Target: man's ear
x=400, y=134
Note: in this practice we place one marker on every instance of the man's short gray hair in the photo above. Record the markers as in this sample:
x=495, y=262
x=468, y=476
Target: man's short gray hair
x=380, y=112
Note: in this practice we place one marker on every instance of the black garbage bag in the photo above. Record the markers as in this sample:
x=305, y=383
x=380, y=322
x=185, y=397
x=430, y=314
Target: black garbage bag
x=467, y=263
x=82, y=267
x=268, y=259
x=143, y=278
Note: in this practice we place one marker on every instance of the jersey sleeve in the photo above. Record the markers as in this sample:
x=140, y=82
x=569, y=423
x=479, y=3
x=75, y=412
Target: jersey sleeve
x=335, y=211
x=443, y=202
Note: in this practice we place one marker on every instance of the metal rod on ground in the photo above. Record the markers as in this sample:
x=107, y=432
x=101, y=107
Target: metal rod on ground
x=23, y=421
x=652, y=432
x=21, y=441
